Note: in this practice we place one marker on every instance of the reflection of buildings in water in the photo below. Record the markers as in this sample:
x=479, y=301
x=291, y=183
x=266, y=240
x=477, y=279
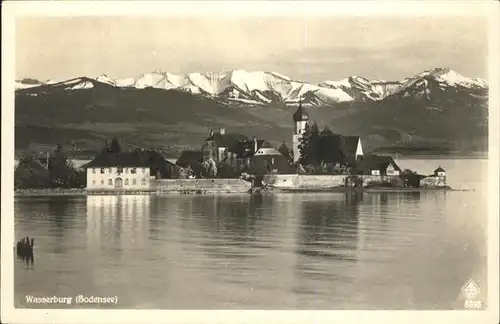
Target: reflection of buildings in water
x=386, y=222
x=230, y=216
x=122, y=218
x=378, y=202
x=224, y=230
x=384, y=200
x=413, y=196
x=164, y=214
x=62, y=211
x=62, y=215
x=286, y=216
x=328, y=235
x=332, y=222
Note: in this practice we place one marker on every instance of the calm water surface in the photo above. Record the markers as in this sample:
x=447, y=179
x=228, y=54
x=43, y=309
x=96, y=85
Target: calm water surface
x=282, y=251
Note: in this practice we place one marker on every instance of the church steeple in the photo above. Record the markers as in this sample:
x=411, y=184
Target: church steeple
x=300, y=114
x=300, y=119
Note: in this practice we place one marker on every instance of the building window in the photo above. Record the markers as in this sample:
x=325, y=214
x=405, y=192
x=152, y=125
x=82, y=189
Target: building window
x=93, y=170
x=110, y=170
x=134, y=182
x=126, y=170
x=119, y=170
x=376, y=172
x=110, y=182
x=102, y=181
x=126, y=182
x=133, y=170
x=143, y=182
x=272, y=161
x=93, y=182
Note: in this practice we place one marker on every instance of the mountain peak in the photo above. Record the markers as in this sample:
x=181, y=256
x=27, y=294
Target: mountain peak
x=262, y=87
x=453, y=78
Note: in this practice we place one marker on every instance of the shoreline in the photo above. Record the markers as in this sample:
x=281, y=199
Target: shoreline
x=85, y=192
x=354, y=190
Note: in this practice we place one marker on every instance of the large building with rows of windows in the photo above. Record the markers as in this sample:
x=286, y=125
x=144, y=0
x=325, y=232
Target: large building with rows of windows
x=126, y=171
x=118, y=177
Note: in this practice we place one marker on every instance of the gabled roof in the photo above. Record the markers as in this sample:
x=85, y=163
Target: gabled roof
x=127, y=159
x=189, y=158
x=227, y=139
x=350, y=144
x=31, y=163
x=31, y=173
x=439, y=169
x=376, y=162
x=245, y=149
x=137, y=158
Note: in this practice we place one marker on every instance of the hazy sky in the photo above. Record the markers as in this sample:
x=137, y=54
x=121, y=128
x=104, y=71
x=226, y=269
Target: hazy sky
x=313, y=49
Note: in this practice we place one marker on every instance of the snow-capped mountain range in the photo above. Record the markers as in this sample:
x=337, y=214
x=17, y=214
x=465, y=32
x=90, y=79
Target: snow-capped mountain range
x=260, y=87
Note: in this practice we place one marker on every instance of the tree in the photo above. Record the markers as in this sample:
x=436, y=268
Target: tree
x=300, y=169
x=115, y=146
x=209, y=168
x=283, y=149
x=304, y=145
x=314, y=145
x=325, y=145
x=326, y=132
x=60, y=169
x=226, y=170
x=30, y=173
x=106, y=148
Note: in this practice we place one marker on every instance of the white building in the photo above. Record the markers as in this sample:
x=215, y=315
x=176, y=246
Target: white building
x=300, y=118
x=118, y=171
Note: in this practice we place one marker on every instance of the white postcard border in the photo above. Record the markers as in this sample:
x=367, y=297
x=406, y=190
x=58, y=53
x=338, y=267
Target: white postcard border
x=11, y=10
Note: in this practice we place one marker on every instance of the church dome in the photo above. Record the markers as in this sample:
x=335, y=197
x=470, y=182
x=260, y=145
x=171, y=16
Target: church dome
x=300, y=114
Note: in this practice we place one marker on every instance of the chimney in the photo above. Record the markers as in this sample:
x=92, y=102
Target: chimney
x=210, y=132
x=254, y=144
x=222, y=131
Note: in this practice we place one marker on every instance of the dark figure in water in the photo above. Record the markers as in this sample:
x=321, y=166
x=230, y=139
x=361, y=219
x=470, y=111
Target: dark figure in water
x=24, y=250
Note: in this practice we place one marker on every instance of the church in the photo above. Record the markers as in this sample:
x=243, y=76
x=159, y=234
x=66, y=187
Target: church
x=350, y=146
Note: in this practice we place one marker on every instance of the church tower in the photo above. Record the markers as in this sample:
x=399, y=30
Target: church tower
x=300, y=119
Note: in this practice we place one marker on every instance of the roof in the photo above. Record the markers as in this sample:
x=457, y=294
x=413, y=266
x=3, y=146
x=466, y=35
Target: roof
x=245, y=149
x=260, y=164
x=227, y=139
x=300, y=114
x=137, y=158
x=189, y=158
x=31, y=163
x=31, y=173
x=350, y=144
x=439, y=169
x=376, y=162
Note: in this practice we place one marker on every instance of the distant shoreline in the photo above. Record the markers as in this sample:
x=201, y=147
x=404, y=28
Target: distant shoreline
x=430, y=154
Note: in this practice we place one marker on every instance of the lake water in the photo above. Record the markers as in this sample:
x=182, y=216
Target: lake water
x=282, y=251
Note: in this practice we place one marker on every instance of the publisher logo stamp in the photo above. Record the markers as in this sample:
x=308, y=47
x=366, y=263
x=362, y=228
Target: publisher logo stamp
x=470, y=291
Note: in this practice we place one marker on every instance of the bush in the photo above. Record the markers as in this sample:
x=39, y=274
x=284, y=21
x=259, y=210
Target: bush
x=209, y=169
